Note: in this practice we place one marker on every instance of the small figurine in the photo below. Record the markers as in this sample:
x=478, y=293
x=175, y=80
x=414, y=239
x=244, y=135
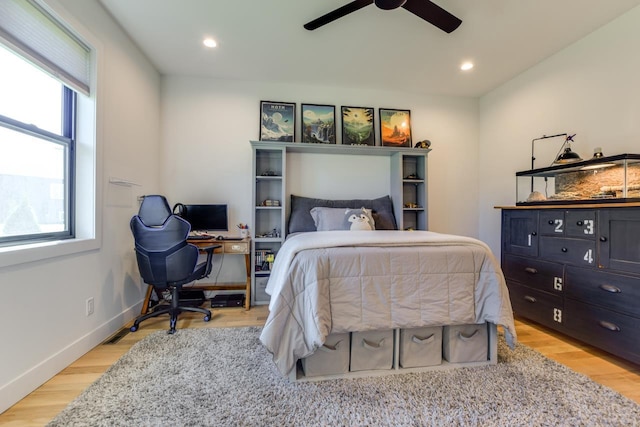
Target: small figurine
x=423, y=144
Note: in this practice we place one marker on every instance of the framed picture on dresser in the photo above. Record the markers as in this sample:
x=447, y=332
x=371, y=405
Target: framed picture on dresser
x=358, y=126
x=277, y=121
x=395, y=127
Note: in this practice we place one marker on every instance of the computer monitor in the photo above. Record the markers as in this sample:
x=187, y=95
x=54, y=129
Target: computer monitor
x=206, y=217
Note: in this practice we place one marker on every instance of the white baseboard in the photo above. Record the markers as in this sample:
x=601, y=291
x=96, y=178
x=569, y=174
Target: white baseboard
x=21, y=386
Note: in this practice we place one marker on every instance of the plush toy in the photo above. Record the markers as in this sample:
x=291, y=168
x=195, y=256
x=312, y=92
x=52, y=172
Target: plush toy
x=358, y=219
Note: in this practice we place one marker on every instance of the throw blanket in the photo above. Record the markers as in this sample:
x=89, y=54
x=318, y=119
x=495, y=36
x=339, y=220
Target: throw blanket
x=342, y=281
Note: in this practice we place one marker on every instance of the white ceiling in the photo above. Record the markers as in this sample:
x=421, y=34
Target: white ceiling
x=373, y=48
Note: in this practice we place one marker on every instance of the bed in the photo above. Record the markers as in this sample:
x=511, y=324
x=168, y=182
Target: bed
x=336, y=280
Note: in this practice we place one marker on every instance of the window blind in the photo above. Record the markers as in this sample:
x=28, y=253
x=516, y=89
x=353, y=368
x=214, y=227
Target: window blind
x=44, y=40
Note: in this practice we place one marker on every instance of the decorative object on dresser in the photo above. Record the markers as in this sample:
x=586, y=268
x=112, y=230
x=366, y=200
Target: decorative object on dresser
x=611, y=179
x=395, y=127
x=318, y=123
x=358, y=126
x=277, y=121
x=576, y=269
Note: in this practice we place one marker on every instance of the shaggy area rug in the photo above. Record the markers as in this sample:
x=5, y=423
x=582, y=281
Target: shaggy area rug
x=224, y=377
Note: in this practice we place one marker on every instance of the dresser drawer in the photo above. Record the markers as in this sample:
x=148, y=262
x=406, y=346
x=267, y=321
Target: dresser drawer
x=613, y=332
x=570, y=251
x=608, y=290
x=236, y=247
x=542, y=275
x=573, y=223
x=552, y=222
x=533, y=304
x=581, y=223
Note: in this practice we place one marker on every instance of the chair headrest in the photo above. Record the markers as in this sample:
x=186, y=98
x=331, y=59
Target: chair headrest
x=154, y=210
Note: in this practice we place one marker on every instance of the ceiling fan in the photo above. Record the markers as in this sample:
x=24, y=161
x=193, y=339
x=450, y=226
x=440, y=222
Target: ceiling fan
x=424, y=9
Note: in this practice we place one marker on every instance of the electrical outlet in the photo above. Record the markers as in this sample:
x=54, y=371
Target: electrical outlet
x=90, y=306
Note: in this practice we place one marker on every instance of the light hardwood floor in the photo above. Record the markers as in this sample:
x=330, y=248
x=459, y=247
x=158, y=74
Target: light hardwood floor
x=43, y=404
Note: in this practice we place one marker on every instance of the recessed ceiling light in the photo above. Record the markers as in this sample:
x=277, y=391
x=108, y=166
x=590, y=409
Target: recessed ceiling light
x=466, y=66
x=209, y=42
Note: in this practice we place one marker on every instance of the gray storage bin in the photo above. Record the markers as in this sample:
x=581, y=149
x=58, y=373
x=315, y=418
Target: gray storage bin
x=420, y=347
x=465, y=343
x=371, y=350
x=330, y=359
x=260, y=293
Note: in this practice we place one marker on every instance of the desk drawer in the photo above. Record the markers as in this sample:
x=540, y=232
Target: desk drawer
x=236, y=247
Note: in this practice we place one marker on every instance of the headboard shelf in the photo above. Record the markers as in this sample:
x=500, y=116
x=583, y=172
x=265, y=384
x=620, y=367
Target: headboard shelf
x=274, y=176
x=365, y=150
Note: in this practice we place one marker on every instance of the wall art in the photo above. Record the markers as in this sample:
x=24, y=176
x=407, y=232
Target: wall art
x=358, y=126
x=277, y=121
x=318, y=123
x=395, y=127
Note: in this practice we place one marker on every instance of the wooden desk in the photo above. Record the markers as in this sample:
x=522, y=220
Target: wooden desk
x=237, y=247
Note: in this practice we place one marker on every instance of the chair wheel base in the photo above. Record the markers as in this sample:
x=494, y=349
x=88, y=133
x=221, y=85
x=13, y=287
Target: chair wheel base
x=207, y=318
x=133, y=328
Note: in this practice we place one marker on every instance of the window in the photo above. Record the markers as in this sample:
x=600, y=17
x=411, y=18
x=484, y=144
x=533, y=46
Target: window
x=37, y=126
x=49, y=170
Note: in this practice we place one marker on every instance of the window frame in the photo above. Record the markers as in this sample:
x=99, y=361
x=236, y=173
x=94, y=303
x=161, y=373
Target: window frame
x=89, y=154
x=67, y=140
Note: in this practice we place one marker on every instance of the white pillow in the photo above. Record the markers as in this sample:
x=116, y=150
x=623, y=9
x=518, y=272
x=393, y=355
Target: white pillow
x=327, y=219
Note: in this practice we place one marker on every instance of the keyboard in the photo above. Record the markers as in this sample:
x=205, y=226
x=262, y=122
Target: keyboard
x=231, y=238
x=201, y=237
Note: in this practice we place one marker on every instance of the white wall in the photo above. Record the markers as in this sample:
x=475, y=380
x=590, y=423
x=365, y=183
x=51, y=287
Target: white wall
x=207, y=125
x=591, y=88
x=43, y=303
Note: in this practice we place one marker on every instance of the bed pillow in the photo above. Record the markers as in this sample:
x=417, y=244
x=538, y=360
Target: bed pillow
x=327, y=219
x=300, y=218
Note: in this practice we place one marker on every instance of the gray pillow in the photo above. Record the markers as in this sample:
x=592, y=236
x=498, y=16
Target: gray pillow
x=300, y=218
x=327, y=219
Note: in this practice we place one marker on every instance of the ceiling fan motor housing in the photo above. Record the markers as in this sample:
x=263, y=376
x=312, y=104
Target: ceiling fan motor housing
x=389, y=4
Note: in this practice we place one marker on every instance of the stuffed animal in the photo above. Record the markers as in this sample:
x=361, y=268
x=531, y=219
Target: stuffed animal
x=358, y=219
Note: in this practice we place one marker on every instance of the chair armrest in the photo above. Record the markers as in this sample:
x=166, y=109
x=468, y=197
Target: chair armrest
x=209, y=250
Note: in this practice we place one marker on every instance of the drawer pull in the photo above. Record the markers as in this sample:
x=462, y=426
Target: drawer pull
x=530, y=299
x=533, y=233
x=610, y=288
x=579, y=223
x=603, y=239
x=564, y=250
x=550, y=222
x=531, y=270
x=610, y=326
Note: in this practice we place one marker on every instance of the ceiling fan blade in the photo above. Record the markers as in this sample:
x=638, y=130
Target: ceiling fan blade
x=338, y=13
x=433, y=14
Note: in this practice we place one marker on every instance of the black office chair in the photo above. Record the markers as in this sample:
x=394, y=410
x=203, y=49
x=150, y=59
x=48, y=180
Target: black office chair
x=165, y=260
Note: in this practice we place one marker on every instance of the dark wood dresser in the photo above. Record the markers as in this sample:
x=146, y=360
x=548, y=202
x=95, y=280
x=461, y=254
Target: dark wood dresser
x=576, y=269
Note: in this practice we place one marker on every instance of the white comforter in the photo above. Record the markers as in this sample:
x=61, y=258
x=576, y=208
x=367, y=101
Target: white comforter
x=340, y=281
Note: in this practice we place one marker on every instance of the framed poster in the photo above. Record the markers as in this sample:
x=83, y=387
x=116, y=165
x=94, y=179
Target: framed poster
x=318, y=123
x=395, y=127
x=357, y=126
x=277, y=121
